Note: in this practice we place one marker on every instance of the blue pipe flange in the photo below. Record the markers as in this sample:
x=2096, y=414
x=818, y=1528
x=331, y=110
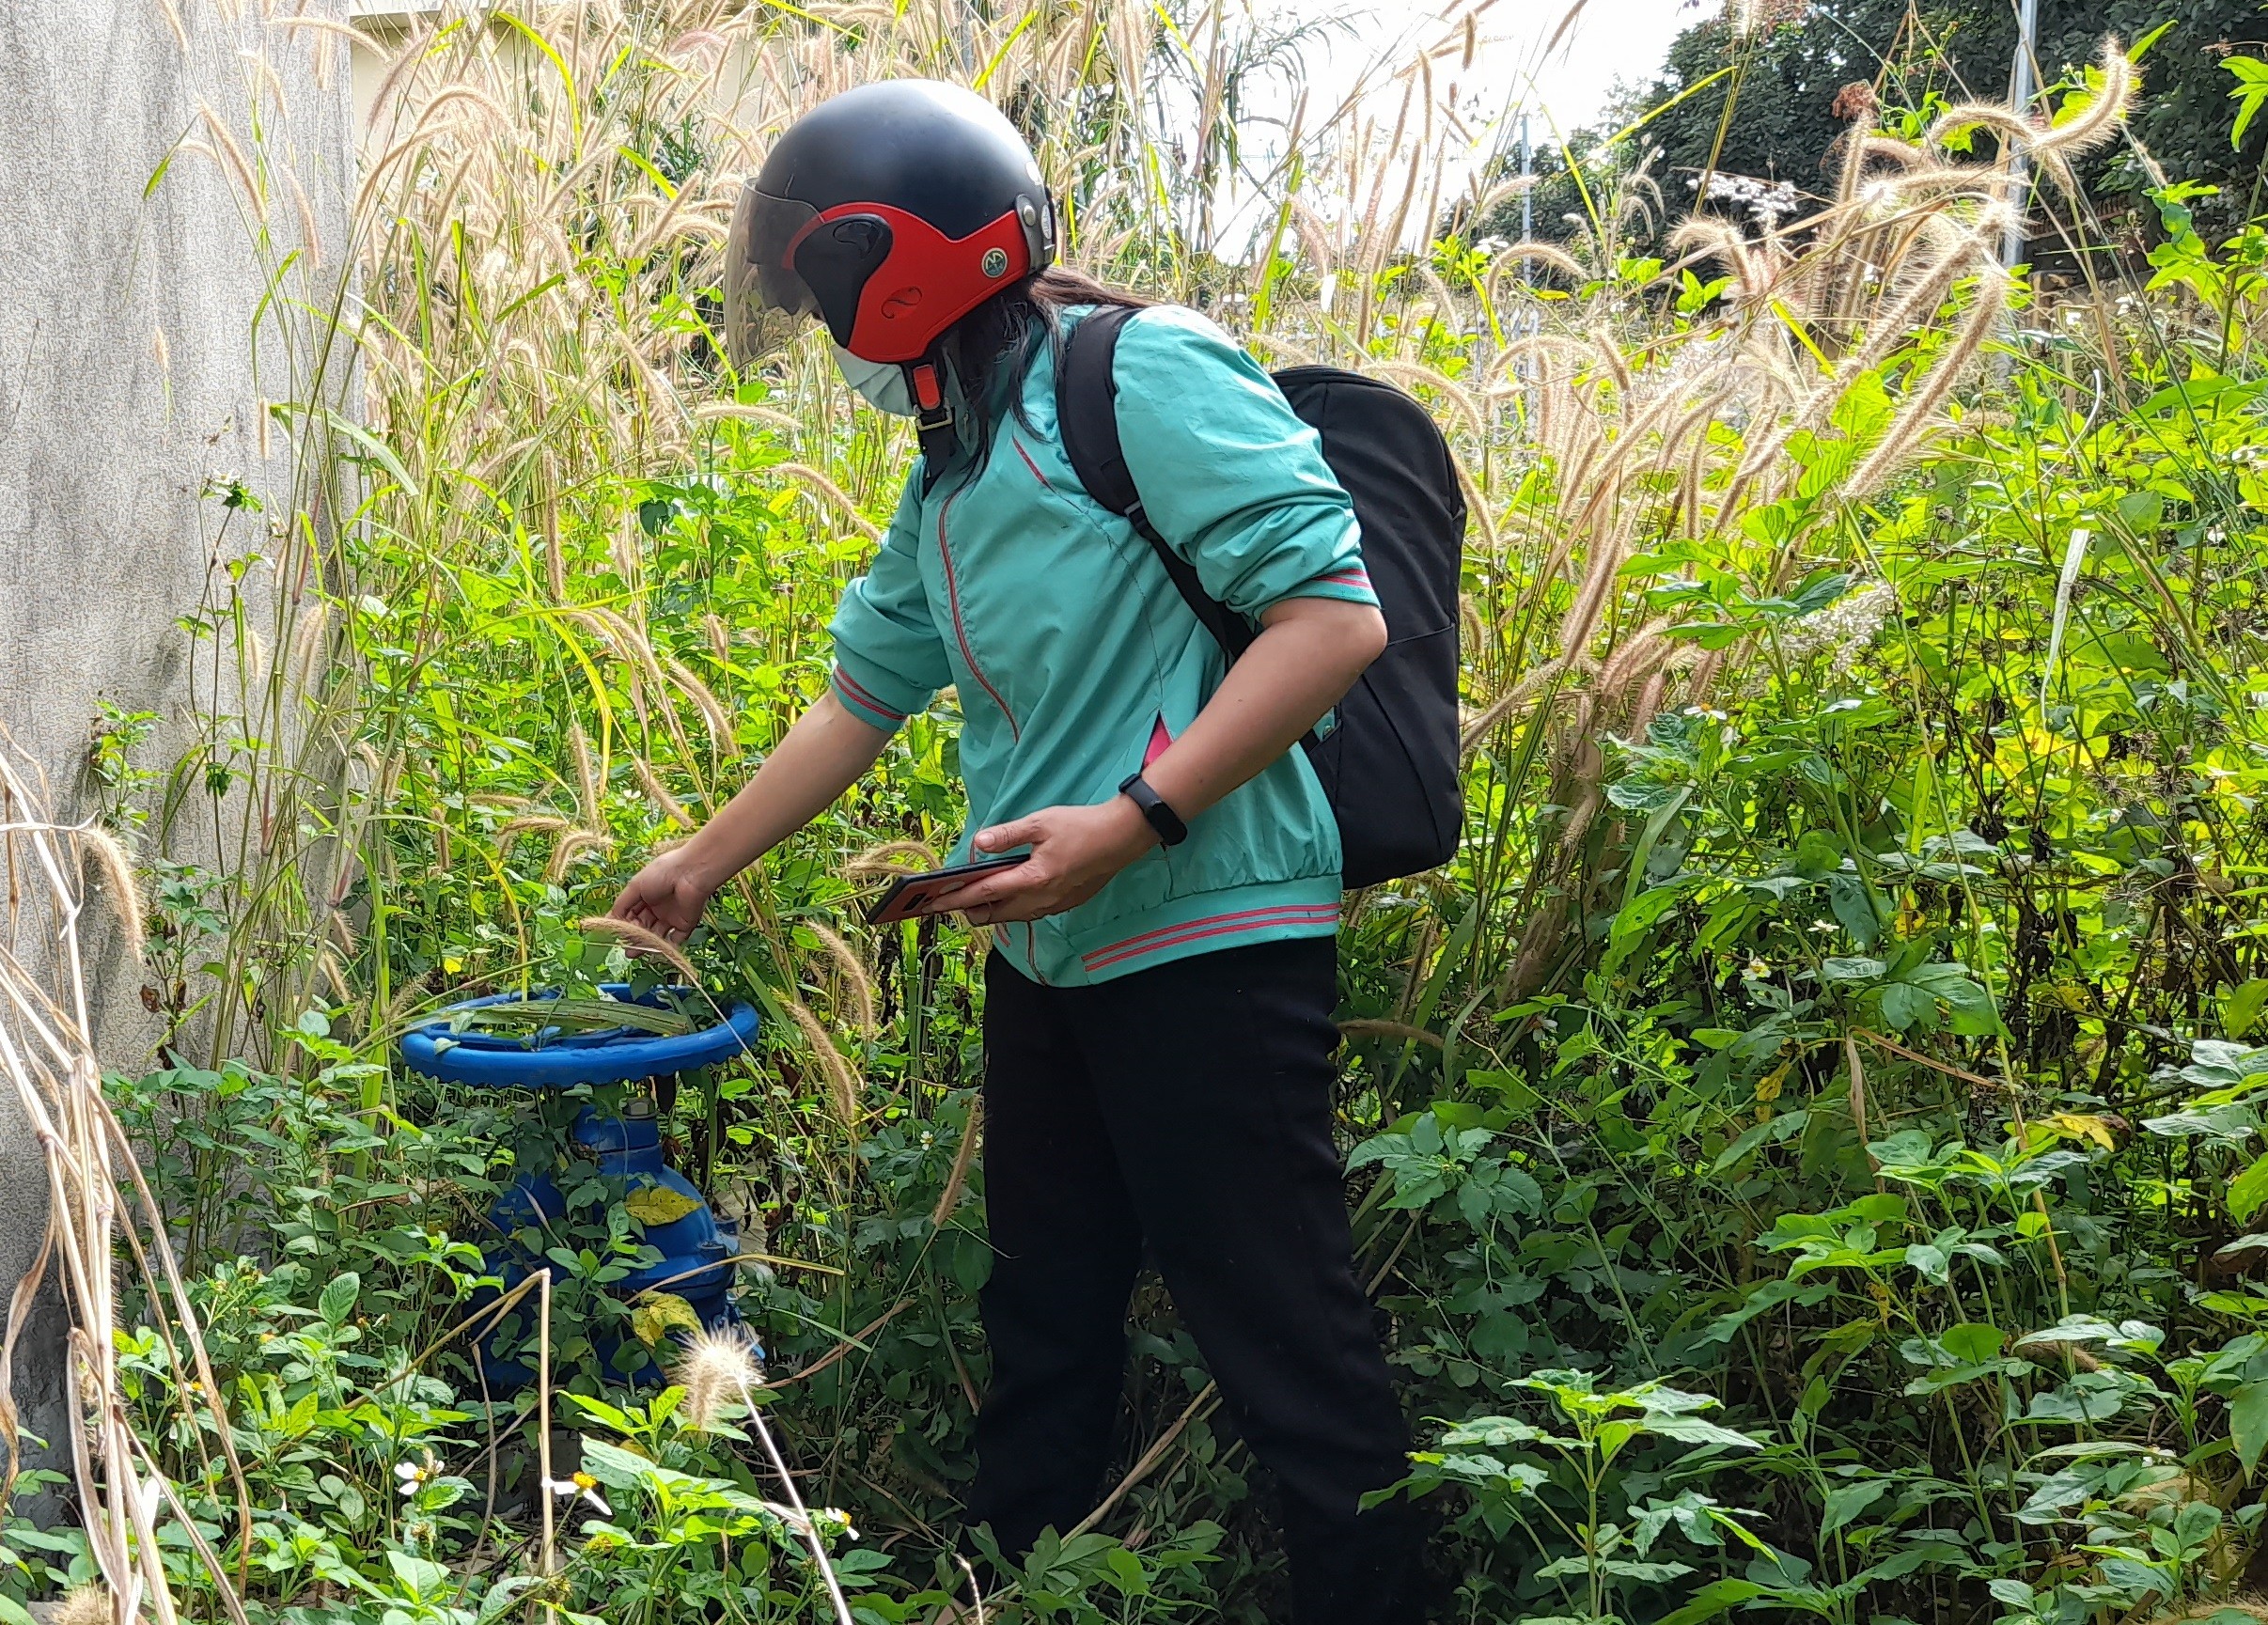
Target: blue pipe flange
x=554, y=1060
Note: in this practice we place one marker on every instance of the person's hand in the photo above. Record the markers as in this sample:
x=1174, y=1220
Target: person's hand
x=666, y=897
x=1075, y=851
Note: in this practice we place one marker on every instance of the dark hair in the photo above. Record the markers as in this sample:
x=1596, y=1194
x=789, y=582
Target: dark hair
x=997, y=340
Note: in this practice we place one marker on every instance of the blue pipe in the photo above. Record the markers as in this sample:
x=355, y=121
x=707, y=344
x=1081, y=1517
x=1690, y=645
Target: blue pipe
x=561, y=1060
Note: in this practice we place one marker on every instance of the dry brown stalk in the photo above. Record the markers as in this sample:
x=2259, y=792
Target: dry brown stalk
x=964, y=1158
x=47, y=1057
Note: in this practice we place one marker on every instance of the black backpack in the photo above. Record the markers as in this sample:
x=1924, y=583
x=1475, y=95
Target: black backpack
x=1391, y=767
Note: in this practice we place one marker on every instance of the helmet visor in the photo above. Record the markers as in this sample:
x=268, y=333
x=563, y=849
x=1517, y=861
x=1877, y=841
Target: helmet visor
x=765, y=299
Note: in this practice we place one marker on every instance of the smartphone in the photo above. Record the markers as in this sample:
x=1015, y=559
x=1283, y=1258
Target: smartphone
x=911, y=895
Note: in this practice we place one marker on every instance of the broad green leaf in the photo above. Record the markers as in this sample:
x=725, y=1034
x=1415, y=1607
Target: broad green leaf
x=2248, y=1423
x=1973, y=1341
x=338, y=1295
x=2241, y=1010
x=2248, y=1190
x=1713, y=1598
x=1929, y=1261
x=614, y=1466
x=419, y=1577
x=1849, y=1500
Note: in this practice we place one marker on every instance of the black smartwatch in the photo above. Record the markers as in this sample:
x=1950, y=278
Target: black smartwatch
x=1163, y=819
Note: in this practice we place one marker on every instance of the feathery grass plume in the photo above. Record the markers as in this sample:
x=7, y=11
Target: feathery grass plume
x=87, y=1604
x=509, y=833
x=409, y=998
x=333, y=975
x=630, y=641
x=818, y=483
x=1481, y=723
x=310, y=625
x=572, y=845
x=720, y=641
x=1448, y=389
x=842, y=1083
x=855, y=975
x=226, y=151
x=1917, y=414
x=2098, y=114
x=650, y=780
x=1711, y=237
x=586, y=777
x=635, y=936
x=721, y=738
x=717, y=1365
x=116, y=868
x=1370, y=1026
x=890, y=859
x=1637, y=658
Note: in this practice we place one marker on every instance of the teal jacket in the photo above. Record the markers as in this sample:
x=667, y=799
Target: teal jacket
x=1076, y=660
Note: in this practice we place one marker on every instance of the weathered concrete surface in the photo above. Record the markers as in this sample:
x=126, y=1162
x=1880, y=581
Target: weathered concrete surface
x=126, y=379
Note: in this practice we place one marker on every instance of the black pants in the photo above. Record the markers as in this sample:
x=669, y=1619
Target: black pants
x=1187, y=1107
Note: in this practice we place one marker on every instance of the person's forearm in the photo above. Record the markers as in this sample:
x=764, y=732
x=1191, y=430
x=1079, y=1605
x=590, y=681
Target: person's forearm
x=823, y=755
x=1305, y=659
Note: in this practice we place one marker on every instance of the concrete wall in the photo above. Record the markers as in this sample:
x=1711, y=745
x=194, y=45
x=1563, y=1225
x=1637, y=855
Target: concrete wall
x=127, y=378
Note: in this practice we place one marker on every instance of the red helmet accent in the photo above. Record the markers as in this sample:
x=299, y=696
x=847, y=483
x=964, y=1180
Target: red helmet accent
x=928, y=281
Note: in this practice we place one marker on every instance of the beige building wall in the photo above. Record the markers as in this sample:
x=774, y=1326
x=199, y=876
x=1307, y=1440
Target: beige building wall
x=128, y=378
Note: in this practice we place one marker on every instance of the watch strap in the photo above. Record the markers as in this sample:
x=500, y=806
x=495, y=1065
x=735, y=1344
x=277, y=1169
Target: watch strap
x=1163, y=819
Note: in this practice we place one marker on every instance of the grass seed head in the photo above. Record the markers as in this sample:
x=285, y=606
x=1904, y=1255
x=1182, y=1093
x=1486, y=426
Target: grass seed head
x=116, y=870
x=87, y=1604
x=717, y=1367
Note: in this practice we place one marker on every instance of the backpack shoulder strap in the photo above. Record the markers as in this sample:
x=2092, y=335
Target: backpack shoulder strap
x=1086, y=415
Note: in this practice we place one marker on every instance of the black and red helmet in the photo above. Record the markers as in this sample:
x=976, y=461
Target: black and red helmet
x=889, y=211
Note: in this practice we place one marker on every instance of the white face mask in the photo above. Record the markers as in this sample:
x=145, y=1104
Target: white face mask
x=882, y=383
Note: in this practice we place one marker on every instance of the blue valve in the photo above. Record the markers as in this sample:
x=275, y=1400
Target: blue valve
x=697, y=1249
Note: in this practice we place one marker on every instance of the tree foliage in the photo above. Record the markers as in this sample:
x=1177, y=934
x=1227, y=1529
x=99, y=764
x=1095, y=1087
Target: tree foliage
x=1764, y=102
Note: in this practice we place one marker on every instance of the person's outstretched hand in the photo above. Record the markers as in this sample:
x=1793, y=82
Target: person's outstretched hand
x=666, y=897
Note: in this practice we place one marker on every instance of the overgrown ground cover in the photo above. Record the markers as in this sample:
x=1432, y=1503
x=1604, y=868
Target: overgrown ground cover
x=1805, y=1144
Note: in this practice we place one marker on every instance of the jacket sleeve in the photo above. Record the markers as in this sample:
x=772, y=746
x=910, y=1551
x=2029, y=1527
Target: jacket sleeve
x=1229, y=476
x=889, y=658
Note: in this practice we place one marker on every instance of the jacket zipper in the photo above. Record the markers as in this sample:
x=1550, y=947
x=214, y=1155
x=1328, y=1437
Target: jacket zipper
x=960, y=634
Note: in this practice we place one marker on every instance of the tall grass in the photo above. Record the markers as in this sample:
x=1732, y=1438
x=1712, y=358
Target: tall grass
x=562, y=576
x=97, y=1199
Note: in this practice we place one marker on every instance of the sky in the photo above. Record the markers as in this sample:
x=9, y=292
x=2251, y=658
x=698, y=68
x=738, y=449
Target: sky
x=1563, y=70
x=1573, y=81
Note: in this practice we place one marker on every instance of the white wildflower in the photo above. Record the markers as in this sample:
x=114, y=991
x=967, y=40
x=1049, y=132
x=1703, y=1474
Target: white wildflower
x=1848, y=626
x=412, y=1477
x=580, y=1486
x=1766, y=202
